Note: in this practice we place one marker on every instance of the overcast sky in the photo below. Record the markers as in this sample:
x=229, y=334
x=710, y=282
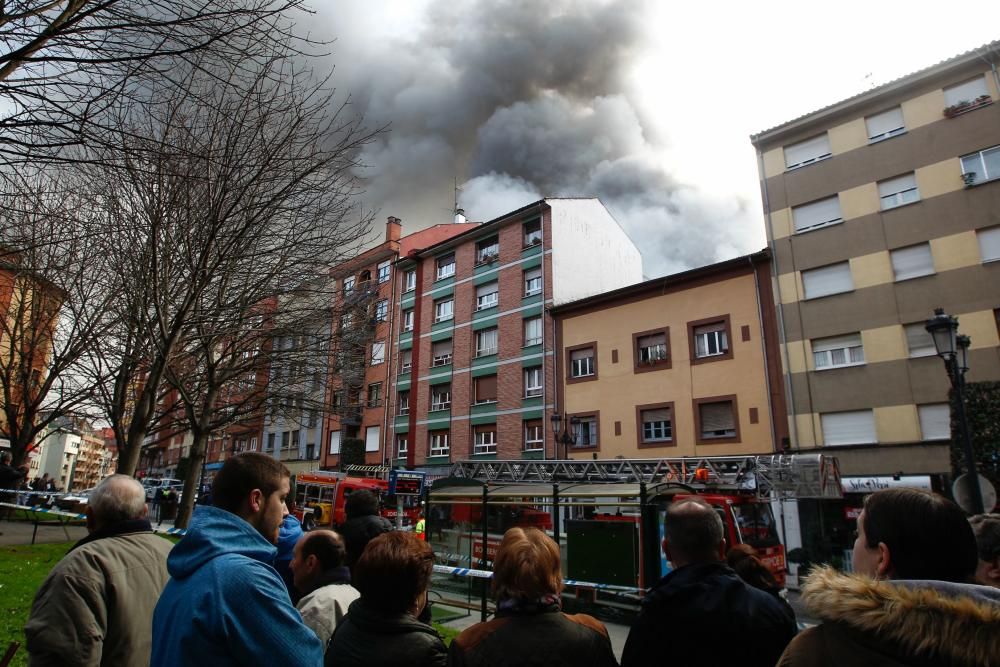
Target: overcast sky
x=647, y=105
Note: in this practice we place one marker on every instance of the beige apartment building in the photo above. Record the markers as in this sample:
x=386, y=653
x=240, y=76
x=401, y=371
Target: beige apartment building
x=879, y=209
x=684, y=365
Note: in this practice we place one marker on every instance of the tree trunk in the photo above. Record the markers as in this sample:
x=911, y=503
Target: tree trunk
x=197, y=460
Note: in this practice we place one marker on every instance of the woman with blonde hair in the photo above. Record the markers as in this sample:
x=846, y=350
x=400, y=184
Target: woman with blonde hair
x=529, y=626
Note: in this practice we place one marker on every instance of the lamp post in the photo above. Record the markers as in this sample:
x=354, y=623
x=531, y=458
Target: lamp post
x=568, y=436
x=953, y=348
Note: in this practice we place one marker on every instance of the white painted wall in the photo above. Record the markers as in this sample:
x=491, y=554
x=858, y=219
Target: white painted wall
x=591, y=253
x=58, y=457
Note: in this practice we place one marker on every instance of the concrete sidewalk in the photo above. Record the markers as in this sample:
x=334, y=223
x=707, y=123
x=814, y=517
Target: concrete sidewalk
x=14, y=533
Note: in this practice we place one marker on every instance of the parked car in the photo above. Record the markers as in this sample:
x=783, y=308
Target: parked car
x=151, y=486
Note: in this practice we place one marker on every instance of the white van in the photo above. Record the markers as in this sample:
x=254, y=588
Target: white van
x=152, y=484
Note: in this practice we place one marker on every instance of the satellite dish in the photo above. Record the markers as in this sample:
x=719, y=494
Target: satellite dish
x=962, y=491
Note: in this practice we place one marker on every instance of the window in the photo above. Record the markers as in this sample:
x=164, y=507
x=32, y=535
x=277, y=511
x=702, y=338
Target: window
x=838, y=351
x=381, y=310
x=348, y=285
x=533, y=382
x=532, y=232
x=488, y=250
x=716, y=419
x=485, y=389
x=440, y=396
x=408, y=320
x=807, y=152
x=656, y=424
x=441, y=353
x=710, y=339
x=883, y=125
x=439, y=443
x=827, y=280
x=270, y=442
x=935, y=421
x=486, y=342
x=586, y=431
x=403, y=403
x=912, y=262
x=372, y=439
x=982, y=166
x=378, y=352
x=375, y=395
x=405, y=360
x=410, y=281
x=965, y=92
x=364, y=278
x=848, y=428
x=650, y=349
x=253, y=444
x=402, y=445
x=334, y=441
x=581, y=362
x=485, y=439
x=534, y=435
x=919, y=342
x=533, y=331
x=898, y=191
x=533, y=281
x=383, y=272
x=445, y=266
x=487, y=296
x=817, y=214
x=444, y=309
x=989, y=244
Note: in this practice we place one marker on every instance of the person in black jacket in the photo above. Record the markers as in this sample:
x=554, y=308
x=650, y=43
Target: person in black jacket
x=529, y=627
x=381, y=627
x=363, y=523
x=702, y=613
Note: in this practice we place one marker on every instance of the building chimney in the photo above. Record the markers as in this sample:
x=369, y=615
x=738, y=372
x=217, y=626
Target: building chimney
x=393, y=227
x=459, y=216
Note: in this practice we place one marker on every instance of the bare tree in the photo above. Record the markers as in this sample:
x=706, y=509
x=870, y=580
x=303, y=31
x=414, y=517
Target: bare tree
x=64, y=64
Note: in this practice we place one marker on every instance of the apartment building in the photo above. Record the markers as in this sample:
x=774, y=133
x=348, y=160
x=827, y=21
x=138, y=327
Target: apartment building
x=475, y=369
x=684, y=365
x=879, y=209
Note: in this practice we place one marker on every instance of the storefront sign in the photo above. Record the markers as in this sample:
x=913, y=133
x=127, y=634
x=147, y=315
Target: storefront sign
x=852, y=513
x=872, y=484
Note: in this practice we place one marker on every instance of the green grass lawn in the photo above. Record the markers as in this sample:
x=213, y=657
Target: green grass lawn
x=24, y=569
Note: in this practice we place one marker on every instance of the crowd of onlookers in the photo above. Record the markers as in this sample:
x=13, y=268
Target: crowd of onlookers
x=246, y=586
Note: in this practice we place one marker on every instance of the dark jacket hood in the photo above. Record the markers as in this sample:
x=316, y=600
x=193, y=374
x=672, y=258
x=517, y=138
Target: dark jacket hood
x=955, y=623
x=215, y=532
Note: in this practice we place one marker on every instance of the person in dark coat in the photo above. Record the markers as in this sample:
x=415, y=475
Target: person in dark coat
x=529, y=627
x=363, y=523
x=381, y=627
x=10, y=480
x=749, y=567
x=702, y=613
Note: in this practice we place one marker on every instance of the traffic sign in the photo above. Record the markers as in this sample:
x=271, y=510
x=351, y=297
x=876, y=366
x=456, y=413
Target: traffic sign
x=962, y=491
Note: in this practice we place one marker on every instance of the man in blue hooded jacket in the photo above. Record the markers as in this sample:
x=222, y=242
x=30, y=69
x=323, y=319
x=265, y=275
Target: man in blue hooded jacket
x=224, y=603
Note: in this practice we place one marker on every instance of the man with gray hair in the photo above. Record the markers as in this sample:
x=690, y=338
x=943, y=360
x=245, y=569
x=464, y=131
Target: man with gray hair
x=96, y=606
x=702, y=613
x=987, y=530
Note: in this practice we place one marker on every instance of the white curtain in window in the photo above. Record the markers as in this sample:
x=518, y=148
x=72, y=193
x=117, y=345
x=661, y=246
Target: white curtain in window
x=885, y=124
x=827, y=280
x=912, y=262
x=807, y=151
x=935, y=421
x=335, y=442
x=966, y=91
x=849, y=428
x=817, y=213
x=989, y=244
x=372, y=439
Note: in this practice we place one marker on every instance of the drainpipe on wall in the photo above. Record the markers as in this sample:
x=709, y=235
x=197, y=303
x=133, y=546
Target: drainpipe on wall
x=763, y=347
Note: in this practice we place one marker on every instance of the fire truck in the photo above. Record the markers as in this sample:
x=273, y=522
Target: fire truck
x=607, y=515
x=320, y=496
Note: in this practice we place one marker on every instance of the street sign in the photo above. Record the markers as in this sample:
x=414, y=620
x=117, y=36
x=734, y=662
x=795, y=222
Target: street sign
x=406, y=483
x=962, y=491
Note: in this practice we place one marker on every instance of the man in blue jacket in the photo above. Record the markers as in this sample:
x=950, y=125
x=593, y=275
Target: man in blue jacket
x=224, y=603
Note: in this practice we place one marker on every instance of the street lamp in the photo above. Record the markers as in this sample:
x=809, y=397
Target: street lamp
x=568, y=437
x=953, y=348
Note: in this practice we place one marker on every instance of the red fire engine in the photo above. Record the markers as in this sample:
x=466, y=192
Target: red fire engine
x=320, y=496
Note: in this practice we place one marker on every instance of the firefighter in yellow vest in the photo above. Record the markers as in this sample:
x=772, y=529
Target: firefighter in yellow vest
x=421, y=526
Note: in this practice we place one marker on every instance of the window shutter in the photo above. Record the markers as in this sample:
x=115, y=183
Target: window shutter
x=807, y=151
x=657, y=415
x=885, y=124
x=966, y=91
x=651, y=341
x=912, y=262
x=892, y=186
x=576, y=355
x=849, y=428
x=717, y=417
x=486, y=388
x=441, y=348
x=836, y=342
x=817, y=213
x=989, y=244
x=488, y=288
x=372, y=439
x=918, y=341
x=935, y=421
x=827, y=280
x=335, y=442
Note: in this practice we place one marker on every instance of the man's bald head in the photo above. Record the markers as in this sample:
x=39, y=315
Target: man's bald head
x=117, y=498
x=693, y=532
